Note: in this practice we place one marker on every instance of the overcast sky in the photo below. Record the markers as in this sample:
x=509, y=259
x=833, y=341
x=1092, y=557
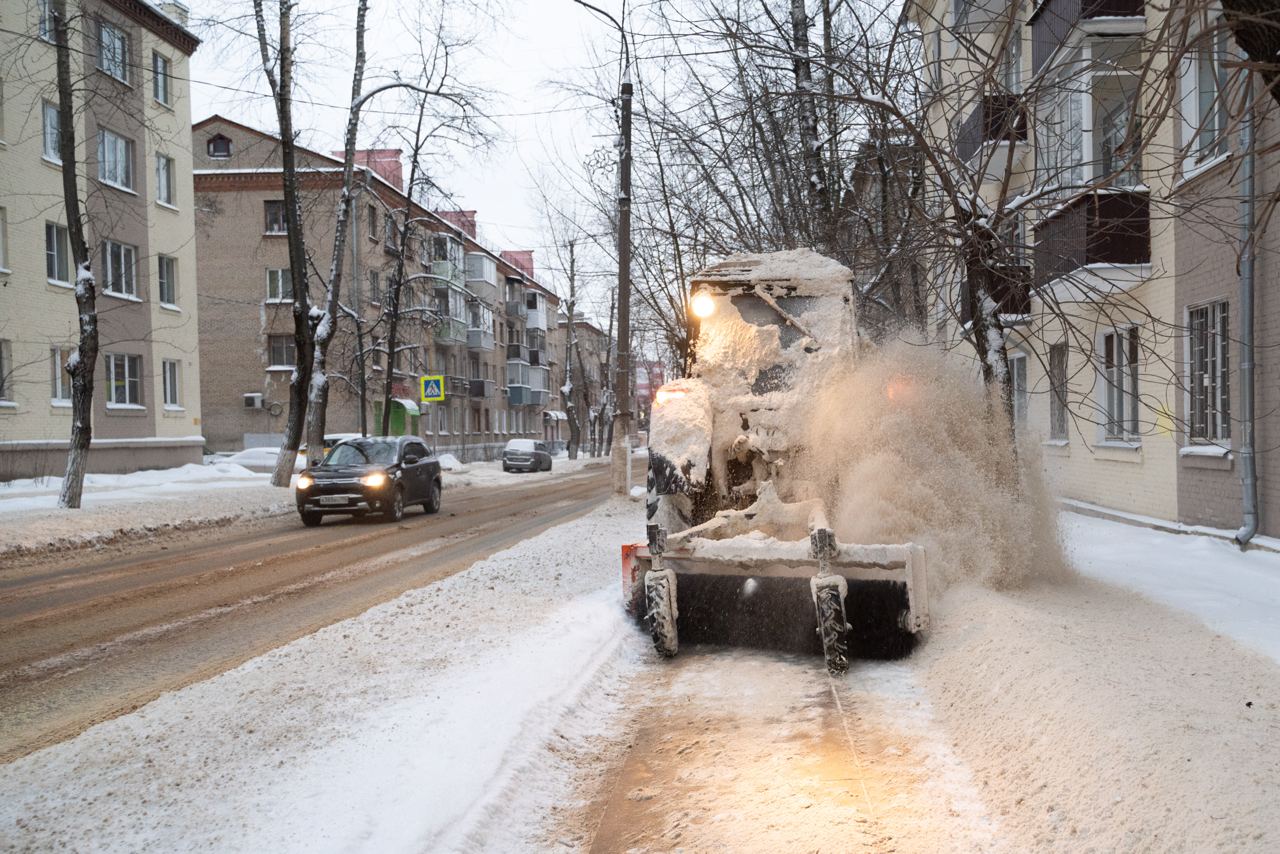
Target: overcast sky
x=523, y=54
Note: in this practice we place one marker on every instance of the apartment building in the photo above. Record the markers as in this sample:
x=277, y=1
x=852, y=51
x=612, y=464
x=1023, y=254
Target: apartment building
x=1122, y=290
x=133, y=132
x=477, y=318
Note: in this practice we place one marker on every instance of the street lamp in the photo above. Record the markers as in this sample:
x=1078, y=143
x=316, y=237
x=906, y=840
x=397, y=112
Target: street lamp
x=621, y=450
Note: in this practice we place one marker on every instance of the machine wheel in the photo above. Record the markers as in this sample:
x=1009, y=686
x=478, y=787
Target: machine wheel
x=394, y=511
x=660, y=596
x=311, y=519
x=833, y=628
x=432, y=504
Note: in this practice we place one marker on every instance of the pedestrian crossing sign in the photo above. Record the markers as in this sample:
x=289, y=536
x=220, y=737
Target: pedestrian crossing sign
x=432, y=389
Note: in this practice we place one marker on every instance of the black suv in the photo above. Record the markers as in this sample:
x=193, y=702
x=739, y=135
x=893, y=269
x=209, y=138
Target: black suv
x=378, y=474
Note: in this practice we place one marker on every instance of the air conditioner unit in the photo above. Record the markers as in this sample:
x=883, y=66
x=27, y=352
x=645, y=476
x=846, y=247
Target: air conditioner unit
x=253, y=401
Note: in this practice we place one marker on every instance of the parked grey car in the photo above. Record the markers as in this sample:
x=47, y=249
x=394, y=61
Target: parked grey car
x=526, y=455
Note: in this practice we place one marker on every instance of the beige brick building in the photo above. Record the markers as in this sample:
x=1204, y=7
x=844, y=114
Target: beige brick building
x=133, y=129
x=487, y=334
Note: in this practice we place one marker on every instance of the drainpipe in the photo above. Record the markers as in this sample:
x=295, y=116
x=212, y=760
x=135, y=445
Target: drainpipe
x=1248, y=466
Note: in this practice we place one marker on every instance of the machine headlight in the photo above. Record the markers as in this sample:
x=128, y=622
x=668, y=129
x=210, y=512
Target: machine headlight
x=305, y=481
x=666, y=395
x=375, y=480
x=703, y=305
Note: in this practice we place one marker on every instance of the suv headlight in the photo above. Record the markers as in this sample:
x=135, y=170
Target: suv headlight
x=305, y=481
x=376, y=479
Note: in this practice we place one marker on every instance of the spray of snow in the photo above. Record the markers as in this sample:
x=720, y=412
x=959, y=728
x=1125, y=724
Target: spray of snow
x=908, y=447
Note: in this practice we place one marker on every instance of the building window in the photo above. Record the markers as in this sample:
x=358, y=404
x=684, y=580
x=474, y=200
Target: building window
x=52, y=124
x=1120, y=366
x=275, y=221
x=45, y=25
x=1058, y=391
x=1018, y=381
x=160, y=78
x=1210, y=115
x=1210, y=371
x=119, y=262
x=59, y=376
x=113, y=51
x=371, y=221
x=115, y=160
x=168, y=279
x=4, y=239
x=1113, y=137
x=375, y=287
x=169, y=373
x=124, y=380
x=1011, y=60
x=218, y=147
x=6, y=366
x=57, y=261
x=389, y=231
x=164, y=180
x=282, y=352
x=280, y=285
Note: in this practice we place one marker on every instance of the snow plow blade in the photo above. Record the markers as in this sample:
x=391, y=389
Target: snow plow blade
x=767, y=600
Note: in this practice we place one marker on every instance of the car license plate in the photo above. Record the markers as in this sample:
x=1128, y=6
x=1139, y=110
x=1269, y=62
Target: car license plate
x=333, y=499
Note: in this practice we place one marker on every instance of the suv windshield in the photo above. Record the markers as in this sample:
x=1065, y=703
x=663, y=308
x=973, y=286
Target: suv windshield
x=362, y=454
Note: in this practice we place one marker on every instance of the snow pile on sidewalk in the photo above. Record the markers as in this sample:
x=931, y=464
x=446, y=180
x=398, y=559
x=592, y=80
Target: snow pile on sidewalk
x=42, y=493
x=400, y=729
x=1233, y=592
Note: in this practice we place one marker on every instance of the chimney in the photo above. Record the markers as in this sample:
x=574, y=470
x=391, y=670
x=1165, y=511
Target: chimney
x=384, y=161
x=465, y=221
x=521, y=259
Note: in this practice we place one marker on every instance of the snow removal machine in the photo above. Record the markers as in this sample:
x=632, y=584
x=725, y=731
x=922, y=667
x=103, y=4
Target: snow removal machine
x=740, y=549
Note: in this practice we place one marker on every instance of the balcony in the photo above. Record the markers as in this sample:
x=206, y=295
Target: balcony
x=518, y=395
x=1054, y=20
x=536, y=357
x=538, y=397
x=480, y=389
x=537, y=317
x=1010, y=287
x=1105, y=227
x=517, y=352
x=448, y=272
x=996, y=118
x=450, y=330
x=456, y=387
x=517, y=308
x=480, y=339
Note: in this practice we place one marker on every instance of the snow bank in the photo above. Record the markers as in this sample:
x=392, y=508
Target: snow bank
x=400, y=729
x=449, y=462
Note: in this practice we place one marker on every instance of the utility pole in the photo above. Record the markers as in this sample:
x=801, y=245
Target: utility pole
x=621, y=428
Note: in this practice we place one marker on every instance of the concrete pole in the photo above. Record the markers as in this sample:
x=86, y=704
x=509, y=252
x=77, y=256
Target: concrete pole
x=622, y=382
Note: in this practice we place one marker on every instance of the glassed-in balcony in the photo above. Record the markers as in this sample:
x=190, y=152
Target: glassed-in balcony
x=995, y=118
x=1053, y=21
x=480, y=389
x=1105, y=227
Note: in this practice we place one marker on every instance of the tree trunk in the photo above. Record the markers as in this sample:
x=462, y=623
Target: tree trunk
x=570, y=391
x=819, y=197
x=319, y=386
x=82, y=362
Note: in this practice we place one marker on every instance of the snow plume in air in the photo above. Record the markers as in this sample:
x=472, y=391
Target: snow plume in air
x=909, y=446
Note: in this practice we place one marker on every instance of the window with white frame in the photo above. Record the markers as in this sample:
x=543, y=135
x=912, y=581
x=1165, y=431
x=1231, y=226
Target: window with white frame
x=375, y=287
x=6, y=368
x=167, y=268
x=1018, y=384
x=282, y=351
x=280, y=285
x=115, y=159
x=1011, y=60
x=273, y=212
x=389, y=231
x=1206, y=101
x=1119, y=156
x=169, y=375
x=45, y=24
x=59, y=376
x=371, y=221
x=124, y=380
x=165, y=177
x=57, y=258
x=160, y=79
x=1062, y=137
x=119, y=263
x=113, y=51
x=51, y=123
x=4, y=239
x=1121, y=358
x=1058, y=391
x=1209, y=392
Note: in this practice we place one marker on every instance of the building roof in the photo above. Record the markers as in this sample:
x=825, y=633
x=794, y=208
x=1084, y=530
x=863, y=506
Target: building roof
x=155, y=20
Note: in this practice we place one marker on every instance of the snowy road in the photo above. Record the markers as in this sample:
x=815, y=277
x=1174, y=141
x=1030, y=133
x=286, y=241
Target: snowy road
x=89, y=638
x=511, y=707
